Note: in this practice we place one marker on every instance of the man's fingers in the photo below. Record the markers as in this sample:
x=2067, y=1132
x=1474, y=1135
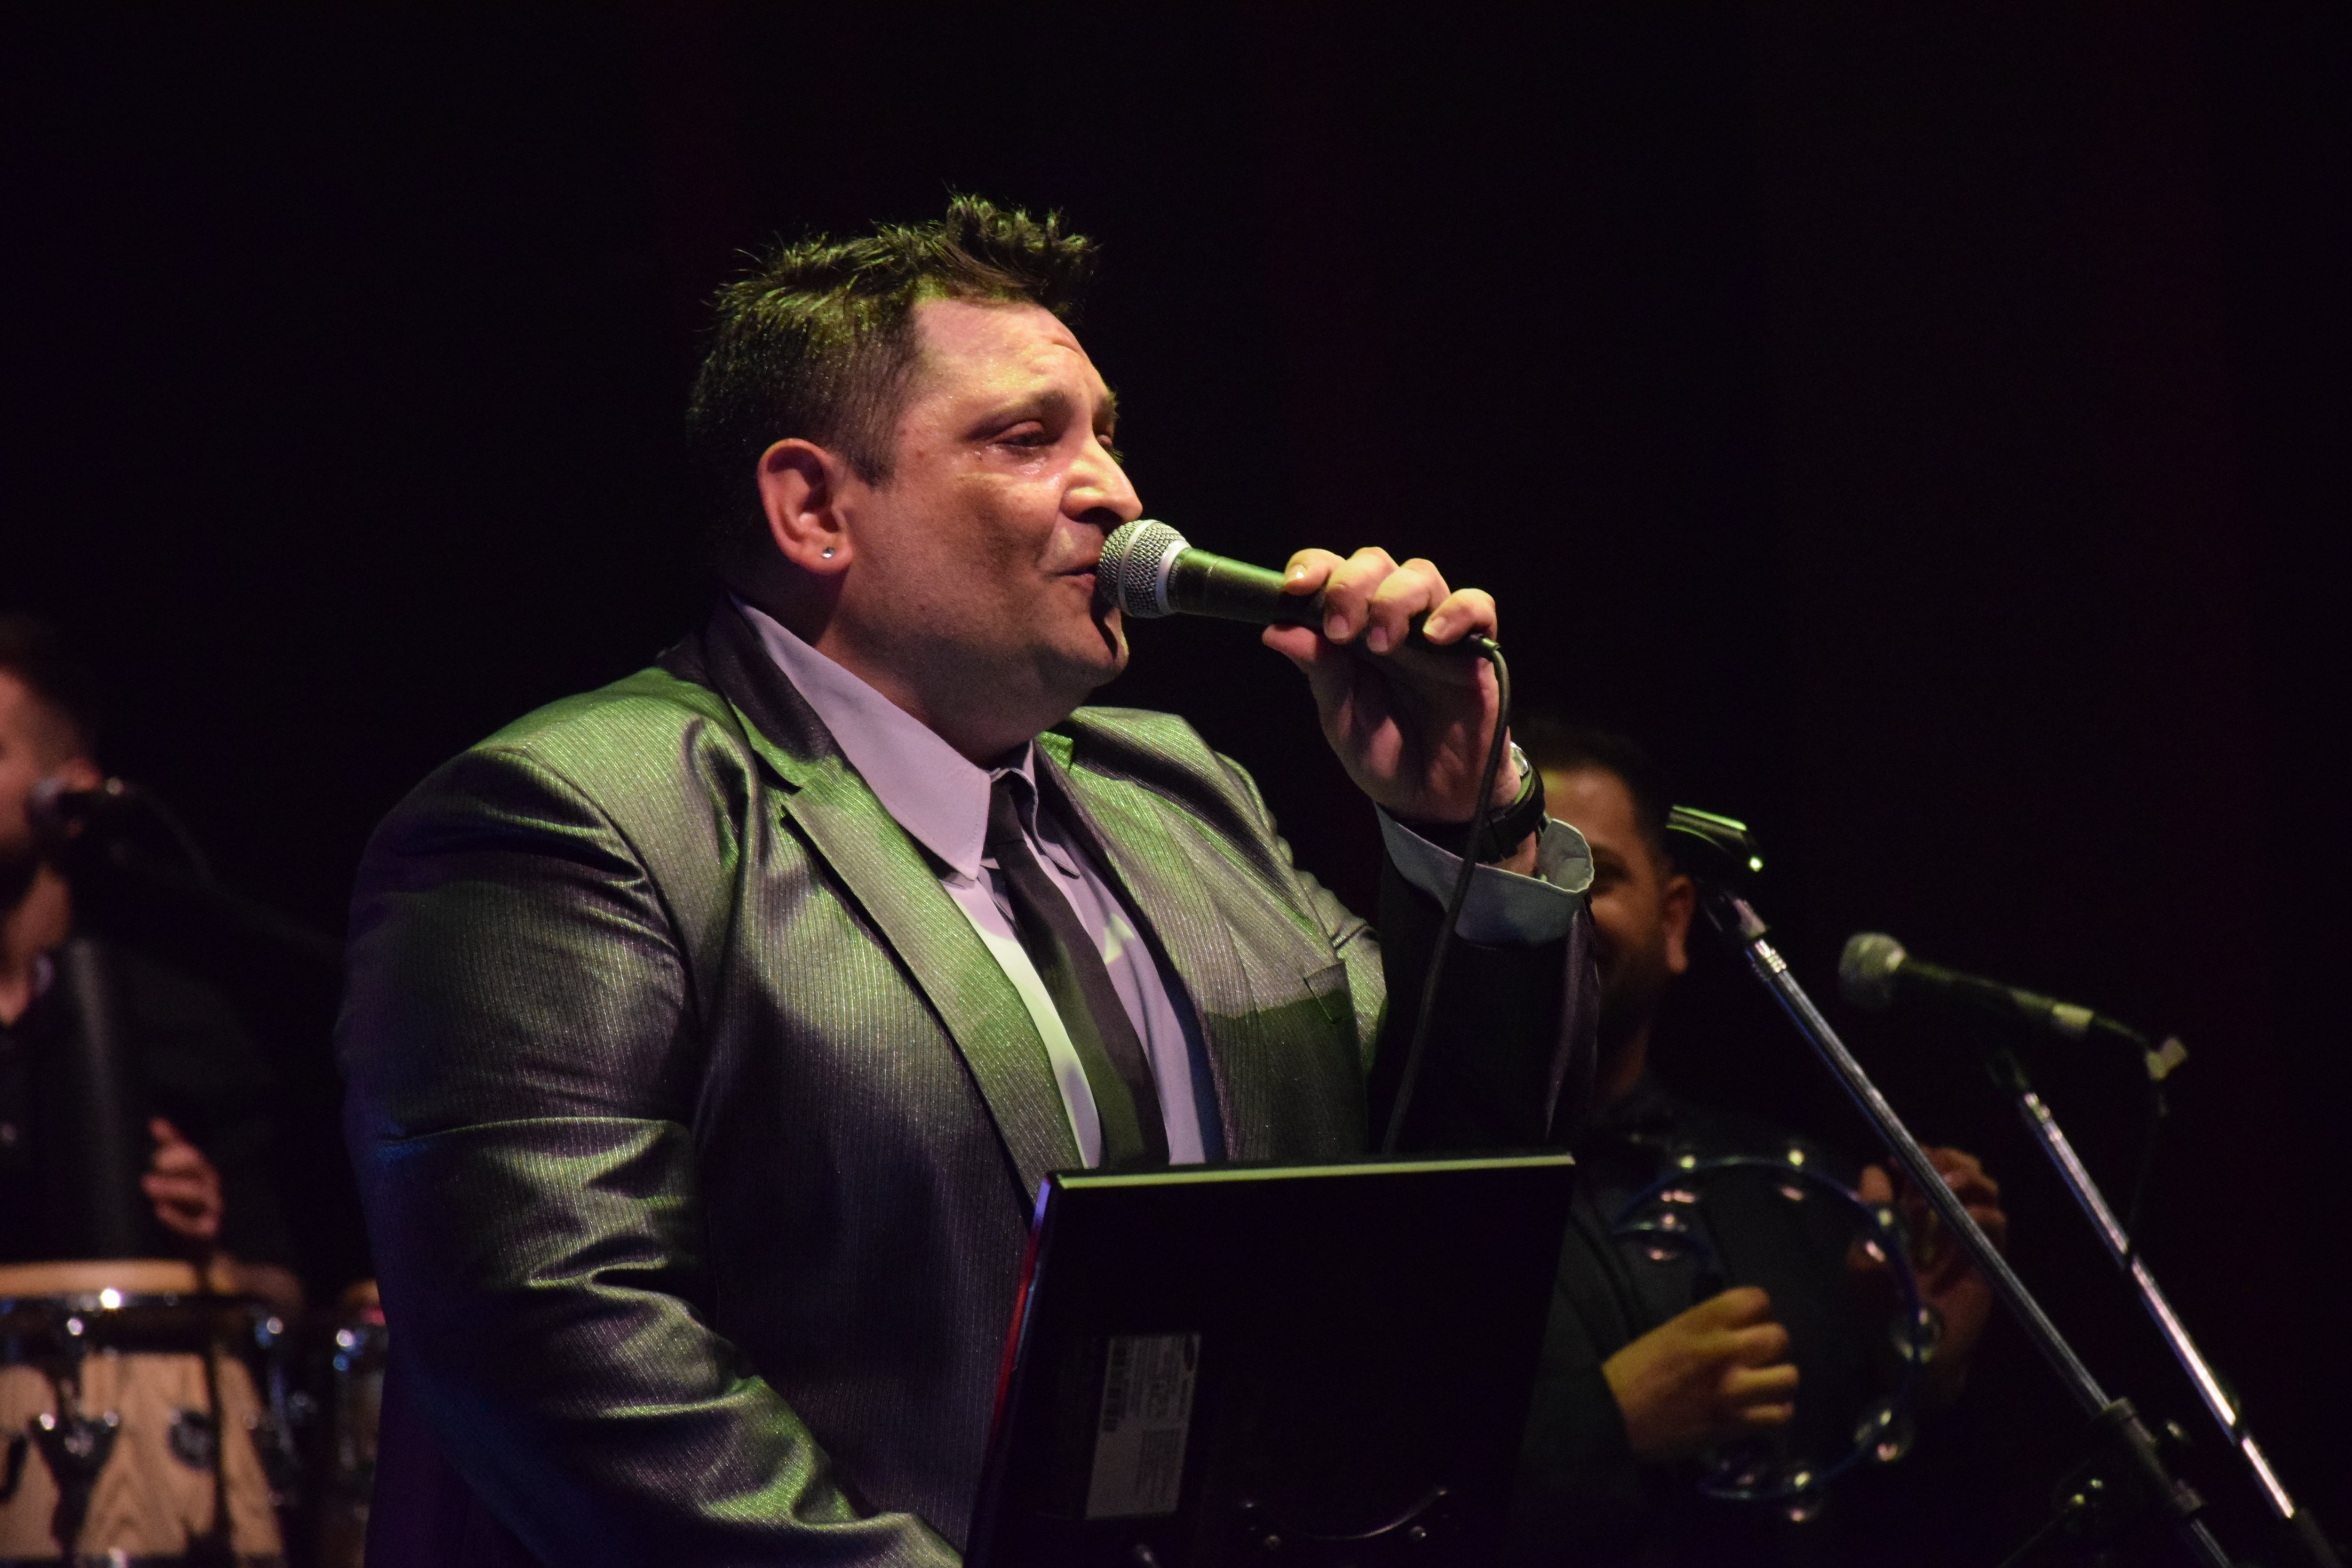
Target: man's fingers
x=189, y=1213
x=1876, y=1186
x=1347, y=593
x=163, y=1132
x=1965, y=1175
x=1758, y=1346
x=1760, y=1384
x=1734, y=1308
x=196, y=1189
x=1404, y=594
x=1327, y=667
x=180, y=1158
x=1767, y=1415
x=1371, y=596
x=1465, y=612
x=1308, y=570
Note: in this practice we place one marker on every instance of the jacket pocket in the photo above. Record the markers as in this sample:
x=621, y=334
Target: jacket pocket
x=1329, y=986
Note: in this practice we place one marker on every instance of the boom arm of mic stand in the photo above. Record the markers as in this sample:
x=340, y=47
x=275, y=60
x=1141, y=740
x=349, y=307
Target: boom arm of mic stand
x=2052, y=1139
x=1731, y=915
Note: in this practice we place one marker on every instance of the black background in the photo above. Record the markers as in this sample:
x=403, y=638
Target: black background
x=1926, y=429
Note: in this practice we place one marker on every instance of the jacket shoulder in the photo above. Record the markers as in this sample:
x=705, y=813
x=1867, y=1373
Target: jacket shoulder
x=615, y=733
x=652, y=757
x=1166, y=754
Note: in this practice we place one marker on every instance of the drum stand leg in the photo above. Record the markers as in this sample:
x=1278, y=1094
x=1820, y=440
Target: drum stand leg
x=215, y=1546
x=77, y=1447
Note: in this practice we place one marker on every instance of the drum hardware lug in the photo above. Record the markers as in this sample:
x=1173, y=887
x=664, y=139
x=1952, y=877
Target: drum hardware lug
x=191, y=1439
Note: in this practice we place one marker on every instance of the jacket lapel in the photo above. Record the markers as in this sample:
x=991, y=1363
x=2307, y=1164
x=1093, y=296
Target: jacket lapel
x=889, y=877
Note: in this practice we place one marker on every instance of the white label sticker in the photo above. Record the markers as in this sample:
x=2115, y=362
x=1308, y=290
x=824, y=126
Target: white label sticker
x=1147, y=1409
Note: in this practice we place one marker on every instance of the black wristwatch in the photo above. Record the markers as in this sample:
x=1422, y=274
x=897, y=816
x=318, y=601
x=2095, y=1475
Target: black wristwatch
x=1506, y=830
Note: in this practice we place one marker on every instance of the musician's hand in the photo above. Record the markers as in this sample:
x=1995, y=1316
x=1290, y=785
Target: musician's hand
x=1411, y=725
x=183, y=1187
x=1949, y=1278
x=1704, y=1376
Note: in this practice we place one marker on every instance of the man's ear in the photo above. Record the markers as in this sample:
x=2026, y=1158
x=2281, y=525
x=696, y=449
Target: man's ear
x=1677, y=900
x=800, y=492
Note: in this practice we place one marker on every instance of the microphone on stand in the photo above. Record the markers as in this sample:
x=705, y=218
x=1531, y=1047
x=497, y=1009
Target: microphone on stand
x=1149, y=569
x=109, y=822
x=1874, y=969
x=55, y=805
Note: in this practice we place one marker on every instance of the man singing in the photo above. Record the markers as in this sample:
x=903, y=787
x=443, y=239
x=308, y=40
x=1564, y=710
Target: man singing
x=710, y=1035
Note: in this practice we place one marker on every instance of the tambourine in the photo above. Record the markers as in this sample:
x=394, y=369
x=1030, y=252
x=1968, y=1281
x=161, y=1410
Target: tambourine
x=1666, y=1225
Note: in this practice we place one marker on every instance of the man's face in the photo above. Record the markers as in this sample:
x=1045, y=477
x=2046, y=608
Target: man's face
x=1640, y=910
x=974, y=566
x=30, y=750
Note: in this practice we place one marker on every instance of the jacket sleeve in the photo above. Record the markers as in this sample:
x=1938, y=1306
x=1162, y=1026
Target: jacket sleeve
x=1511, y=1049
x=523, y=1053
x=1509, y=1058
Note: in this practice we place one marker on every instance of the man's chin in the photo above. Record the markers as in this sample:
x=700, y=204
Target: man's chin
x=1110, y=631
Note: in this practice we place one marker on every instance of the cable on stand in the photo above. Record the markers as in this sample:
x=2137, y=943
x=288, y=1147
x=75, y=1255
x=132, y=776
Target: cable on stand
x=1486, y=649
x=1718, y=854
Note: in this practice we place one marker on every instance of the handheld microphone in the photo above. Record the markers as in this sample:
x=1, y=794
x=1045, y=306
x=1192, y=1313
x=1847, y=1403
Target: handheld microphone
x=1149, y=569
x=1874, y=966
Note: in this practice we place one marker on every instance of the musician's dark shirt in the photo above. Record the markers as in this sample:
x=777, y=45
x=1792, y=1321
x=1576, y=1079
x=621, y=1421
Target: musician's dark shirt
x=195, y=1065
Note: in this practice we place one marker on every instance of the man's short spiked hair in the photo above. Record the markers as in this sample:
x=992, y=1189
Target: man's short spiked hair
x=818, y=341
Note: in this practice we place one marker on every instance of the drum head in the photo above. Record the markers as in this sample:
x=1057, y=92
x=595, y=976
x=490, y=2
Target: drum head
x=124, y=1275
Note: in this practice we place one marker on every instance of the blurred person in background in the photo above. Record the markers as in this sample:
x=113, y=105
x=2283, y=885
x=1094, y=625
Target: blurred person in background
x=202, y=1084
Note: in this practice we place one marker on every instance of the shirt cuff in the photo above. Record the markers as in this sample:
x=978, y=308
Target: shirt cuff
x=1504, y=909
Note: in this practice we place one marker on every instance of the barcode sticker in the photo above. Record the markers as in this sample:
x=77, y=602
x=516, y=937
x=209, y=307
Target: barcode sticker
x=1147, y=1409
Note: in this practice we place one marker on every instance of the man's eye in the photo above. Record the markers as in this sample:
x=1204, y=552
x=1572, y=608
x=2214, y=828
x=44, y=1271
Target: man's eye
x=1026, y=435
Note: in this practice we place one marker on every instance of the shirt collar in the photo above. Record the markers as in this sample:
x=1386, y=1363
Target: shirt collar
x=927, y=786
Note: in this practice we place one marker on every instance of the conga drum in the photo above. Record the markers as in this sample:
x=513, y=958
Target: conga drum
x=134, y=1424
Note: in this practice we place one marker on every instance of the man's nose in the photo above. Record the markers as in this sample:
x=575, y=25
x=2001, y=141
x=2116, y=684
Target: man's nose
x=1099, y=489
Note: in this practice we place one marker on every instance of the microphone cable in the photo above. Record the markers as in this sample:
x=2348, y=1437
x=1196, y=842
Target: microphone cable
x=1486, y=648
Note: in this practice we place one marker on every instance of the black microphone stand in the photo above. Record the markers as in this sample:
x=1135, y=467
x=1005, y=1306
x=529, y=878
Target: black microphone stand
x=2010, y=1076
x=2134, y=1472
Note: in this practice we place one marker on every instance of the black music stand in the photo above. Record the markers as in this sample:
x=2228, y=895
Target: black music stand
x=1324, y=1364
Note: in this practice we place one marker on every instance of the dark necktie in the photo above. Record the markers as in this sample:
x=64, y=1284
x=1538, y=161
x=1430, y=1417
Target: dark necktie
x=1126, y=1103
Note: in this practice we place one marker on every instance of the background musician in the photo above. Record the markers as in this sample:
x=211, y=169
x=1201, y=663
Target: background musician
x=1633, y=1385
x=203, y=1080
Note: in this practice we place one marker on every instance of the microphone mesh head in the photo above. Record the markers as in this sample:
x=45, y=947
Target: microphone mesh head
x=1867, y=969
x=1134, y=560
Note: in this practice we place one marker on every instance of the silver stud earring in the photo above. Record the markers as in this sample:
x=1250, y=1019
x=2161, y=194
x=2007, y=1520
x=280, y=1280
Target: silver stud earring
x=827, y=552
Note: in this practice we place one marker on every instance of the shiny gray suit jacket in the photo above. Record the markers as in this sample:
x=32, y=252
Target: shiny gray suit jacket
x=698, y=1133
